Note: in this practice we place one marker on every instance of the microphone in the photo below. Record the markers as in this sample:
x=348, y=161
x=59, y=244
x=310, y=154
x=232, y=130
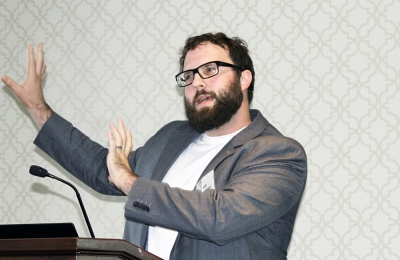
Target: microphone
x=41, y=172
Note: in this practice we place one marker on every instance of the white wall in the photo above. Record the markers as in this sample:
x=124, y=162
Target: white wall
x=327, y=74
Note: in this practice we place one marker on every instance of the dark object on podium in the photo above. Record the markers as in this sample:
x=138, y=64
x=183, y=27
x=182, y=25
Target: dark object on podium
x=47, y=230
x=71, y=248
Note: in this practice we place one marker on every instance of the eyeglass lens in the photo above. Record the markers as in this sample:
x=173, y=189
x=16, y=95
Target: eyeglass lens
x=205, y=71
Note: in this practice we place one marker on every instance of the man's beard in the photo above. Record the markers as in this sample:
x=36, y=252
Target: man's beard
x=226, y=104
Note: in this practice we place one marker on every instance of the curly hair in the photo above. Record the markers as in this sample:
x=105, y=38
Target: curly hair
x=236, y=47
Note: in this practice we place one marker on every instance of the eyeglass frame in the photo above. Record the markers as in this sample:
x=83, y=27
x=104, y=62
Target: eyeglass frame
x=196, y=70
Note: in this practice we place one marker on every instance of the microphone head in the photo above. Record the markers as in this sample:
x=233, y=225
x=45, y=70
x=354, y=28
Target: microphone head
x=38, y=171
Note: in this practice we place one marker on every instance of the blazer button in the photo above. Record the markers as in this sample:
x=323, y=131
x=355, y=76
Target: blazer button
x=141, y=206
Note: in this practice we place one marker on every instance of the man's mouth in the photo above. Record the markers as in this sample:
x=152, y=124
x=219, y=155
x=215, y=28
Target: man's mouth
x=203, y=99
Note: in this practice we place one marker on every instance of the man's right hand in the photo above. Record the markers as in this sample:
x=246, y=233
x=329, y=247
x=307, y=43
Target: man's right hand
x=30, y=93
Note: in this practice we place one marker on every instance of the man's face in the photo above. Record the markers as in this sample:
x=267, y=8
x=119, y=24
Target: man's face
x=226, y=104
x=210, y=103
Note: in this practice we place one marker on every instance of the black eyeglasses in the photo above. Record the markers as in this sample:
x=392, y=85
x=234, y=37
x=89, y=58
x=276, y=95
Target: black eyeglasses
x=207, y=70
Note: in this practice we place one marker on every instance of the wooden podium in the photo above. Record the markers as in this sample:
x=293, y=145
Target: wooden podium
x=71, y=248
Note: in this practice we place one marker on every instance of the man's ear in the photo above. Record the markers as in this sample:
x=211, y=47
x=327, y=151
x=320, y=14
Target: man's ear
x=245, y=79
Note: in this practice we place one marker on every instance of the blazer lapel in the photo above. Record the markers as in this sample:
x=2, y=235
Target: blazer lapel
x=259, y=123
x=175, y=146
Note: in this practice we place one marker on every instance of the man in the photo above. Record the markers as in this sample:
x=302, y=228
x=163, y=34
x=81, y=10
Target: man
x=223, y=185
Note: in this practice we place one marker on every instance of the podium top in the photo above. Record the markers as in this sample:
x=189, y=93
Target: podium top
x=69, y=248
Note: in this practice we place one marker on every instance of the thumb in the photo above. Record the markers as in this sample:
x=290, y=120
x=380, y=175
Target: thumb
x=9, y=82
x=111, y=142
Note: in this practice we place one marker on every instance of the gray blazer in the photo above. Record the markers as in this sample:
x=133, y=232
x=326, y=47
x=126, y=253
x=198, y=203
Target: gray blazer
x=259, y=177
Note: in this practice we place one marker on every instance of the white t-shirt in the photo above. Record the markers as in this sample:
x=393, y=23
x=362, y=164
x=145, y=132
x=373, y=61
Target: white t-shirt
x=184, y=174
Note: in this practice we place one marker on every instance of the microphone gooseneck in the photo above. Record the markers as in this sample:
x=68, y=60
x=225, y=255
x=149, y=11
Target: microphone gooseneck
x=41, y=172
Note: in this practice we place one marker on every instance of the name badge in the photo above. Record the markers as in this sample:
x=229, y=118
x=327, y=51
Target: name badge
x=207, y=182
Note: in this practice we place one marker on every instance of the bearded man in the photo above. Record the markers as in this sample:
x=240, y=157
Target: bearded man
x=223, y=185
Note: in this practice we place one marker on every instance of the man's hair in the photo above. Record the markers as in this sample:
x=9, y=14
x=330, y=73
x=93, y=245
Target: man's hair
x=236, y=47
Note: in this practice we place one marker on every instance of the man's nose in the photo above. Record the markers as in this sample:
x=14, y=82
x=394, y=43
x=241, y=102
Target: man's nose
x=198, y=82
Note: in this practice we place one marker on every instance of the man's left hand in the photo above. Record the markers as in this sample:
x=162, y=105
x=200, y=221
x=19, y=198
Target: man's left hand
x=120, y=145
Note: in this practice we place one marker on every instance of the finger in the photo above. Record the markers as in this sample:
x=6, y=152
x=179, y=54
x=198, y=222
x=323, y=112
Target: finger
x=128, y=145
x=44, y=72
x=31, y=62
x=116, y=135
x=111, y=141
x=39, y=59
x=122, y=132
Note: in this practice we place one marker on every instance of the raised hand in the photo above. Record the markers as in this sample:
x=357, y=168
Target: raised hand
x=29, y=92
x=120, y=145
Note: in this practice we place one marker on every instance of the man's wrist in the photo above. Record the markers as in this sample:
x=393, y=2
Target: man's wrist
x=40, y=114
x=127, y=183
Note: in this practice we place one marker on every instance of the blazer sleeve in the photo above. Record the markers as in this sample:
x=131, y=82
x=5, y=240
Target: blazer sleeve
x=255, y=186
x=77, y=153
x=87, y=160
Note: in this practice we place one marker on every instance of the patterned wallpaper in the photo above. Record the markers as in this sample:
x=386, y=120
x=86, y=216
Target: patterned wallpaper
x=327, y=74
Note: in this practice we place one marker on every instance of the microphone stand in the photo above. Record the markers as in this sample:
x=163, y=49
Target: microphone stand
x=42, y=173
x=79, y=199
